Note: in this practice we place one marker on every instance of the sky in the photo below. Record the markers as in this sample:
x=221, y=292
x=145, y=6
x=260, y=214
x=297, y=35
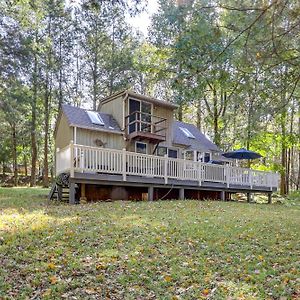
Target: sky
x=142, y=21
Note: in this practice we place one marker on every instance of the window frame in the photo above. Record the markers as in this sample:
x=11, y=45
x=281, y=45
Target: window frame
x=187, y=132
x=138, y=126
x=170, y=149
x=146, y=148
x=95, y=115
x=160, y=147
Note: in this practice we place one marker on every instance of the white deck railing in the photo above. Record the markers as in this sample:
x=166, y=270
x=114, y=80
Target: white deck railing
x=86, y=159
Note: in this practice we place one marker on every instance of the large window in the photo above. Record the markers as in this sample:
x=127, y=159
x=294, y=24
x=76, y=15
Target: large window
x=140, y=116
x=141, y=147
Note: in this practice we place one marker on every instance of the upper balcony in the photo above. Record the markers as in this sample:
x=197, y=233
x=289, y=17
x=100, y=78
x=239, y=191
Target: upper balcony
x=144, y=126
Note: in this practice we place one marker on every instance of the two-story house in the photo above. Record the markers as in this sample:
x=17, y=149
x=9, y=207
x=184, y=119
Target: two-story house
x=133, y=148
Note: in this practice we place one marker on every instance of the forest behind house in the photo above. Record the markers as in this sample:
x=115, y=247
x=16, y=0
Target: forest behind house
x=233, y=67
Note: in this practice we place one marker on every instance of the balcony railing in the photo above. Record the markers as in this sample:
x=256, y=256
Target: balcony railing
x=139, y=124
x=79, y=158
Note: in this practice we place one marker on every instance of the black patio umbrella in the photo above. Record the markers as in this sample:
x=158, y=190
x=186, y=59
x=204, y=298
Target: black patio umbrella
x=242, y=154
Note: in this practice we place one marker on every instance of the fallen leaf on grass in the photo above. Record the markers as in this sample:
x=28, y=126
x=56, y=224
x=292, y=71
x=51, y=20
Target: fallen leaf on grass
x=205, y=292
x=53, y=279
x=168, y=278
x=51, y=266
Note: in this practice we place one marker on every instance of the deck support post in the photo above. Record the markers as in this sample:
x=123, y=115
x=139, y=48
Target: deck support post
x=181, y=194
x=83, y=190
x=269, y=198
x=150, y=193
x=71, y=193
x=223, y=195
x=82, y=194
x=249, y=196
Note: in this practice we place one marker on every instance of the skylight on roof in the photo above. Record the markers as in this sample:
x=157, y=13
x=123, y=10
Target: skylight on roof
x=187, y=132
x=95, y=117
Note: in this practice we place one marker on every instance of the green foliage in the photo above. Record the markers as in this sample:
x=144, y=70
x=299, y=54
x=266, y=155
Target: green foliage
x=231, y=66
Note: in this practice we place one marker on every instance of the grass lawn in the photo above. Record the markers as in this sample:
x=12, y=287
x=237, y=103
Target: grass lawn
x=160, y=250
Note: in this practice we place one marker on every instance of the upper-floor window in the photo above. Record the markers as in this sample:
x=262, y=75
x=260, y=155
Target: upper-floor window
x=187, y=132
x=95, y=117
x=139, y=116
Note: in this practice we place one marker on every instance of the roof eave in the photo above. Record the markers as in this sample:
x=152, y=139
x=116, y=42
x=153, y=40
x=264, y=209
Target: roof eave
x=97, y=129
x=140, y=97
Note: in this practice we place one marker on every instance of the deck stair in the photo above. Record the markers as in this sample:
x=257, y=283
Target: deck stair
x=60, y=189
x=59, y=193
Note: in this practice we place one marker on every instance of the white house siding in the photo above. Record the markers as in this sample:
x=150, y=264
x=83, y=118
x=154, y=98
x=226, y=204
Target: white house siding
x=63, y=134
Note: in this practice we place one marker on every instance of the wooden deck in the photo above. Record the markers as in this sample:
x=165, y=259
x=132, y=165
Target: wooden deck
x=139, y=181
x=102, y=166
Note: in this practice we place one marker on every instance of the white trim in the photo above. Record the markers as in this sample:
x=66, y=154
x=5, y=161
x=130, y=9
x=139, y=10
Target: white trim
x=97, y=129
x=124, y=110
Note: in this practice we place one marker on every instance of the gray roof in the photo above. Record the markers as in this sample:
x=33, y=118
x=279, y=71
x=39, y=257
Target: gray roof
x=78, y=117
x=135, y=95
x=200, y=142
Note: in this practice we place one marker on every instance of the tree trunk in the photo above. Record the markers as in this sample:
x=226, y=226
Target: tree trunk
x=199, y=115
x=46, y=130
x=3, y=168
x=14, y=153
x=95, y=67
x=217, y=140
x=25, y=165
x=95, y=71
x=180, y=113
x=25, y=161
x=33, y=124
x=283, y=181
x=298, y=177
x=60, y=88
